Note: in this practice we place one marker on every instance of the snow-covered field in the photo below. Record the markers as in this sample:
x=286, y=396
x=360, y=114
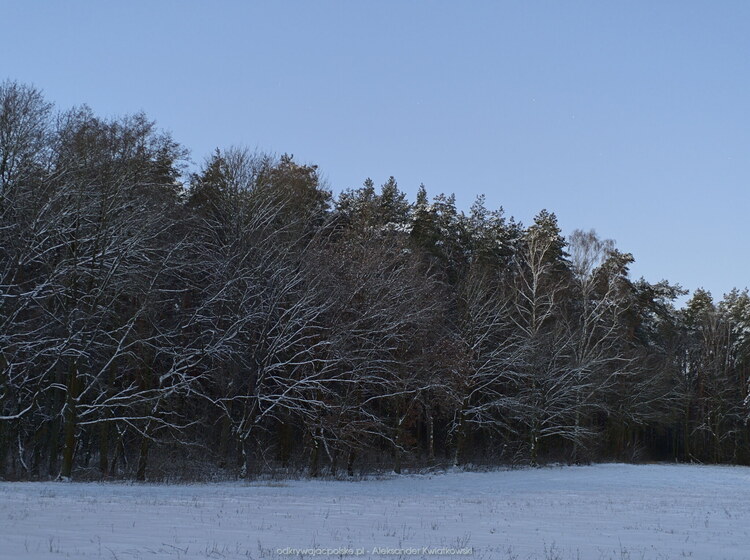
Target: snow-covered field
x=593, y=512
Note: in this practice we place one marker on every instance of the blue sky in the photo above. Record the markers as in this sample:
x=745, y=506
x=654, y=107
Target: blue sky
x=631, y=118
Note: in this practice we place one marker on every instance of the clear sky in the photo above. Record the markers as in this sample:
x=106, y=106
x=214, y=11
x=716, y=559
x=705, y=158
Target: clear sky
x=632, y=118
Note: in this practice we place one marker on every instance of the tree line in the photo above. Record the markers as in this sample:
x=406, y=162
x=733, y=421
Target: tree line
x=240, y=319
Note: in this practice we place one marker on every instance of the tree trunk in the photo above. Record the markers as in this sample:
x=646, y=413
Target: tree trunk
x=686, y=434
x=70, y=423
x=577, y=428
x=335, y=462
x=285, y=443
x=431, y=438
x=248, y=452
x=397, y=446
x=143, y=458
x=104, y=448
x=118, y=455
x=53, y=446
x=458, y=457
x=226, y=432
x=105, y=430
x=52, y=431
x=315, y=455
x=534, y=443
x=4, y=446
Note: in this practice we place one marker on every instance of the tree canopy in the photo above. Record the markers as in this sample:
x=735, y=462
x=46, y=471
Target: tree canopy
x=242, y=318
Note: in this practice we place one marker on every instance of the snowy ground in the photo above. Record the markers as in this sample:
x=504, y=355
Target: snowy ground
x=596, y=512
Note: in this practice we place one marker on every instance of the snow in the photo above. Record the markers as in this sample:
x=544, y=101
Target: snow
x=609, y=511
